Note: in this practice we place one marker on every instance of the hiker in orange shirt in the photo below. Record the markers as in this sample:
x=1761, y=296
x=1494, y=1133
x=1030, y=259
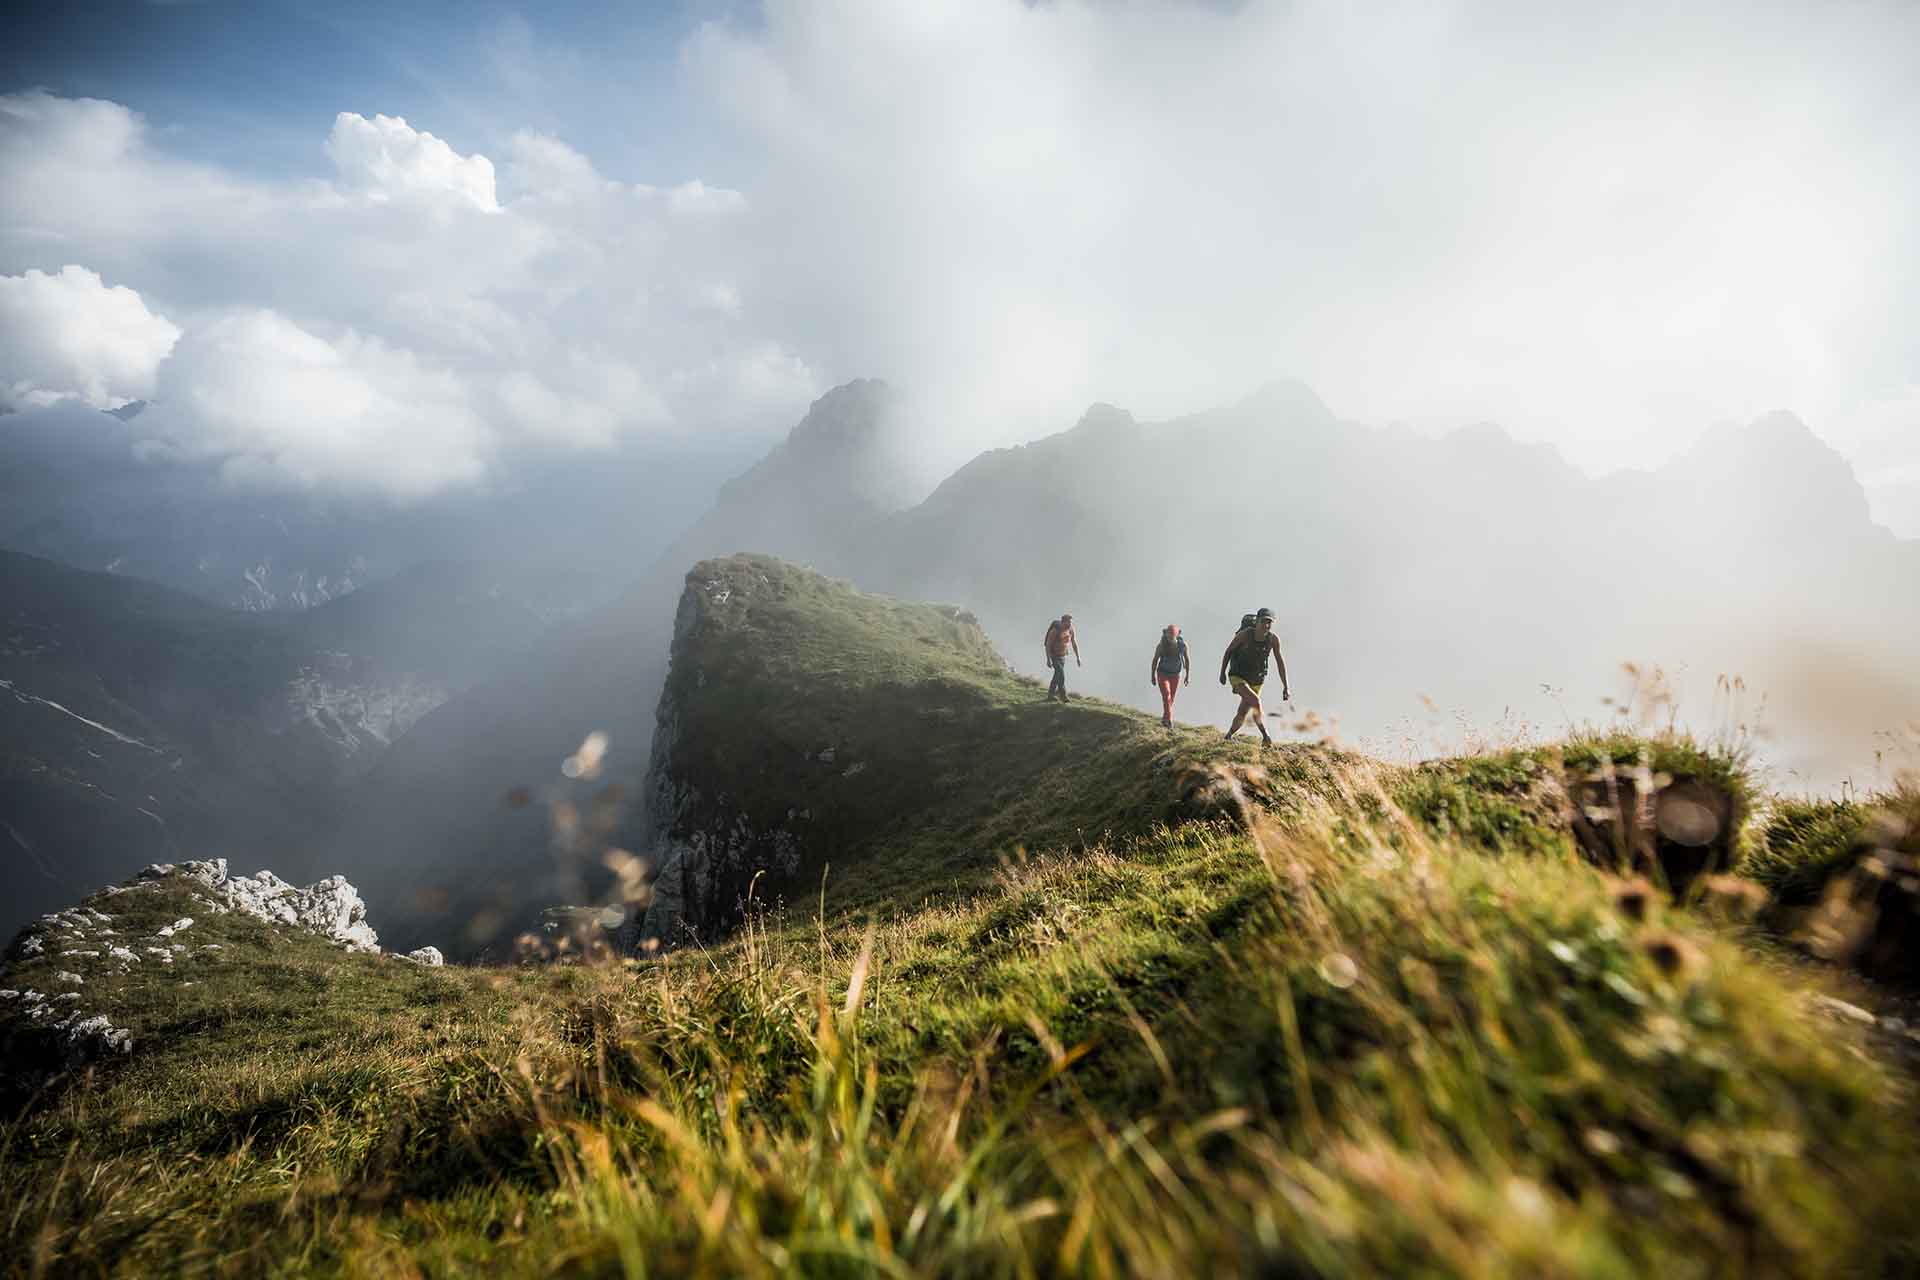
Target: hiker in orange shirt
x=1060, y=640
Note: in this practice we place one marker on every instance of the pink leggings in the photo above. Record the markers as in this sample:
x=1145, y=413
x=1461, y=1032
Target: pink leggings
x=1169, y=686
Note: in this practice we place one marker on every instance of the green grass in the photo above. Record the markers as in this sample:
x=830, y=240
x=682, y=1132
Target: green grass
x=1328, y=1046
x=1844, y=879
x=1082, y=997
x=1802, y=844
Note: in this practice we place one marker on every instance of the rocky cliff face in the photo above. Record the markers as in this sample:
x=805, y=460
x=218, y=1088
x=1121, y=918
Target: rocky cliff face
x=795, y=728
x=706, y=846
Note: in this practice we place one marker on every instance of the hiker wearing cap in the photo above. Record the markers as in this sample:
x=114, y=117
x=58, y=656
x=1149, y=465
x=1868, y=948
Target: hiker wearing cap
x=1245, y=661
x=1169, y=664
x=1060, y=641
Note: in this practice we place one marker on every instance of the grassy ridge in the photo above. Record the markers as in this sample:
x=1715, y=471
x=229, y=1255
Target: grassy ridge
x=891, y=744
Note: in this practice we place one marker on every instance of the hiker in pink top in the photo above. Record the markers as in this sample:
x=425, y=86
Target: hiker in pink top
x=1170, y=667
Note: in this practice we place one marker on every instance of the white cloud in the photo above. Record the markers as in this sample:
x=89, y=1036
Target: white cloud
x=281, y=405
x=70, y=334
x=386, y=159
x=544, y=167
x=405, y=326
x=696, y=197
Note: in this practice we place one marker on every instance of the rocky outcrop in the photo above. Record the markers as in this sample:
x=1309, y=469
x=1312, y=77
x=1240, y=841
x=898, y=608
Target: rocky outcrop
x=76, y=982
x=329, y=907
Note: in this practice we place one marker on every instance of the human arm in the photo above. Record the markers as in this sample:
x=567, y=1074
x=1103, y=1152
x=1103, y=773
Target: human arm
x=1073, y=638
x=1228, y=657
x=1280, y=663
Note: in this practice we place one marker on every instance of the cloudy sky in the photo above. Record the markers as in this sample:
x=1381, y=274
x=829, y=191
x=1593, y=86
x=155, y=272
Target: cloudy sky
x=372, y=248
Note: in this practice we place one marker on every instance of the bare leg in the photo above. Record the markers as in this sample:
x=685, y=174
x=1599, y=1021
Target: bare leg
x=1240, y=716
x=1250, y=706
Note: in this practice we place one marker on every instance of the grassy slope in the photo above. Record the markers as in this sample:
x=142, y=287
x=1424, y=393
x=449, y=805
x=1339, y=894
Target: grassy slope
x=1363, y=1037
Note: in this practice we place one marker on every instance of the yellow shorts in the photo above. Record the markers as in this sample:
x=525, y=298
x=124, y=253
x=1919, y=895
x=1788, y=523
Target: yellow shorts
x=1248, y=687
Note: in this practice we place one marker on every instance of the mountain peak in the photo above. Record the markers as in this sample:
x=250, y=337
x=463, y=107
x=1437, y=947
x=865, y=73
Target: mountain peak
x=1774, y=433
x=848, y=413
x=1778, y=466
x=1287, y=398
x=1101, y=416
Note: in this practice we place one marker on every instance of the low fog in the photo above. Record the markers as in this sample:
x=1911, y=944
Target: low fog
x=1537, y=368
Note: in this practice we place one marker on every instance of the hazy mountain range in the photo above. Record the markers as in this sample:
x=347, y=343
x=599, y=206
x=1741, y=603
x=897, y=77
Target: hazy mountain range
x=411, y=733
x=92, y=490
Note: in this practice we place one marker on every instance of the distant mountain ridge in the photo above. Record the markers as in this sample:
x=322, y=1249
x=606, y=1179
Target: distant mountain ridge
x=1469, y=568
x=93, y=490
